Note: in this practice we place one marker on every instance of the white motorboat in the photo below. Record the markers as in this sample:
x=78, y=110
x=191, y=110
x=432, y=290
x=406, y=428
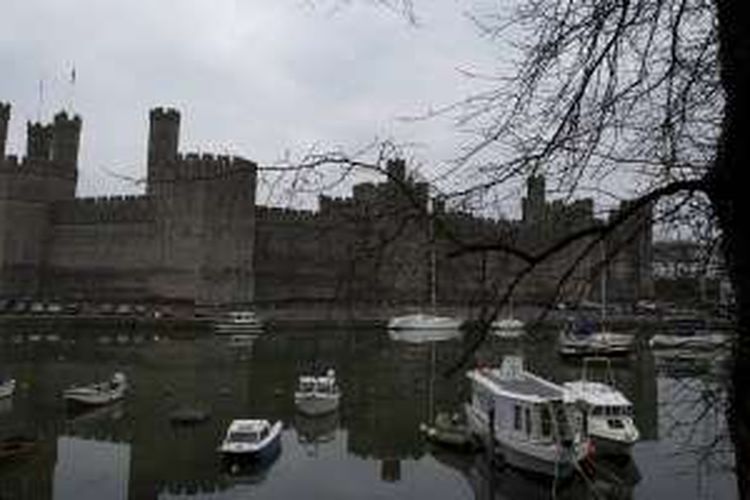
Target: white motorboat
x=427, y=321
x=7, y=388
x=507, y=327
x=422, y=321
x=98, y=394
x=239, y=322
x=317, y=395
x=608, y=414
x=250, y=439
x=694, y=340
x=524, y=419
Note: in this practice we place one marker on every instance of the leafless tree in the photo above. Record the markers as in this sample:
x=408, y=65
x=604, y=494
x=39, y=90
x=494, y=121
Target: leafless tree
x=647, y=93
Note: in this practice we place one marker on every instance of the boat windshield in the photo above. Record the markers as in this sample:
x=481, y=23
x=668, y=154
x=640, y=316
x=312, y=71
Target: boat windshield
x=243, y=437
x=612, y=411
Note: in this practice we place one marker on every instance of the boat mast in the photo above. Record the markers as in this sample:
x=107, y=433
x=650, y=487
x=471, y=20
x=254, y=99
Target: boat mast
x=433, y=260
x=603, y=283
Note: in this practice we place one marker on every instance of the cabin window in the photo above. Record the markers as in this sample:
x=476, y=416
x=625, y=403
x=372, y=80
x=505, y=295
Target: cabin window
x=517, y=417
x=546, y=422
x=597, y=412
x=264, y=433
x=527, y=414
x=614, y=423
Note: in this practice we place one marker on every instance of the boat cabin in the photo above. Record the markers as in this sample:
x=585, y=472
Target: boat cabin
x=520, y=406
x=318, y=385
x=248, y=431
x=242, y=317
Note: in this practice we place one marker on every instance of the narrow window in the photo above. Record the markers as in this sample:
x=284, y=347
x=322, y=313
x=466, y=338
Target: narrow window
x=527, y=414
x=517, y=417
x=546, y=422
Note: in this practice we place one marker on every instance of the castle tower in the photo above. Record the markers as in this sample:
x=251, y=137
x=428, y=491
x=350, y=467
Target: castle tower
x=38, y=141
x=534, y=204
x=396, y=170
x=66, y=136
x=4, y=119
x=163, y=140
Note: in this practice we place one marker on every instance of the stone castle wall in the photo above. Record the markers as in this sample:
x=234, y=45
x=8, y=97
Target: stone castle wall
x=197, y=236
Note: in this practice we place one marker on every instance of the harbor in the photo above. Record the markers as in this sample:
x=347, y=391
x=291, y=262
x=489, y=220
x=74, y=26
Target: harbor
x=371, y=444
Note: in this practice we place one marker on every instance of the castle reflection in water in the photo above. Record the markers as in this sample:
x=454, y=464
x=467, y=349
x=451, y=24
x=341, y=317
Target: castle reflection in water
x=130, y=450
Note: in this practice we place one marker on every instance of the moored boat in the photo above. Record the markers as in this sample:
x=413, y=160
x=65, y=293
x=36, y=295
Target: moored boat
x=423, y=321
x=250, y=439
x=689, y=340
x=98, y=394
x=607, y=413
x=507, y=327
x=317, y=395
x=524, y=419
x=580, y=339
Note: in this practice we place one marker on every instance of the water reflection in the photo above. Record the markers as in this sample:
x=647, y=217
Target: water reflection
x=372, y=446
x=91, y=469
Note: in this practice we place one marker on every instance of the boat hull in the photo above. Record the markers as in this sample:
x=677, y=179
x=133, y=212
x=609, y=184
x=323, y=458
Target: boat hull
x=539, y=459
x=604, y=446
x=316, y=405
x=238, y=328
x=596, y=345
x=424, y=322
x=91, y=399
x=267, y=452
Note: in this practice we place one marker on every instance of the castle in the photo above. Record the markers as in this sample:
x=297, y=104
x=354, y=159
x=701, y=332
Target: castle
x=197, y=236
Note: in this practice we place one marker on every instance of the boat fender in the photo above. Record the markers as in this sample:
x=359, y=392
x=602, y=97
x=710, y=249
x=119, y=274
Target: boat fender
x=590, y=449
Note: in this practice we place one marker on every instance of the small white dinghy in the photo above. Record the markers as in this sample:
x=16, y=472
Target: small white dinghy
x=251, y=439
x=422, y=321
x=101, y=393
x=7, y=388
x=317, y=395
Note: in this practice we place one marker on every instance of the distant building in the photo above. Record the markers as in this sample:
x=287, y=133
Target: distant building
x=197, y=236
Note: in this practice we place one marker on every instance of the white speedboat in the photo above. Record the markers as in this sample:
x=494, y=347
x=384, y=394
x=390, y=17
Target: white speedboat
x=98, y=394
x=507, y=327
x=524, y=419
x=239, y=322
x=422, y=321
x=608, y=414
x=694, y=340
x=317, y=395
x=250, y=439
x=7, y=388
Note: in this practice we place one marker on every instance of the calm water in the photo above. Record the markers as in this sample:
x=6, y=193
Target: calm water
x=371, y=448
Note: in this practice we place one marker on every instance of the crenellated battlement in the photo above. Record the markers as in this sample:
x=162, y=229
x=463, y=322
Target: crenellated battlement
x=104, y=210
x=205, y=167
x=283, y=214
x=165, y=114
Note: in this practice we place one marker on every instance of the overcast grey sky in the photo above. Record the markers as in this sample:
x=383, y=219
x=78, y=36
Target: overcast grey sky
x=254, y=78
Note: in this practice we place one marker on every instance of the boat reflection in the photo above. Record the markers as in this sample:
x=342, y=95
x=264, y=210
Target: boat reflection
x=313, y=431
x=607, y=480
x=420, y=336
x=83, y=414
x=241, y=472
